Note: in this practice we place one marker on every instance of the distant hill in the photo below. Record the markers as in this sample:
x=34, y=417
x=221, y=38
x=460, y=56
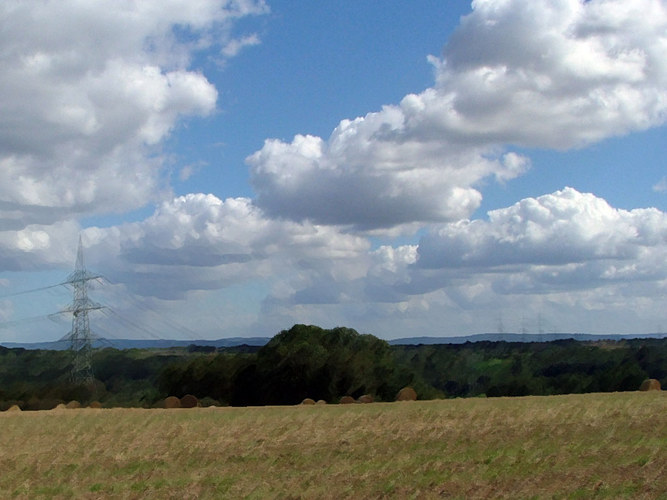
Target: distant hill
x=260, y=341
x=143, y=343
x=520, y=337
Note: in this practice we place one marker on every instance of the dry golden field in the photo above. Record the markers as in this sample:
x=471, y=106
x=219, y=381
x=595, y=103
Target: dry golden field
x=577, y=446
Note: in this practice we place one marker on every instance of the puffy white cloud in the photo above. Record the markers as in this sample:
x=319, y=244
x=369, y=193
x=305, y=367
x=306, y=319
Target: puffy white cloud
x=566, y=227
x=533, y=73
x=552, y=74
x=38, y=246
x=199, y=242
x=565, y=251
x=568, y=257
x=87, y=92
x=564, y=261
x=557, y=243
x=370, y=175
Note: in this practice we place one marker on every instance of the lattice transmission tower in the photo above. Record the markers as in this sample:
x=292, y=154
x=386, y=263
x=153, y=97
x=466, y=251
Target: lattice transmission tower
x=80, y=337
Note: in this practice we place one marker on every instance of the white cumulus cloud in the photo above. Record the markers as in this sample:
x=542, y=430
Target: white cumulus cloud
x=530, y=73
x=38, y=246
x=560, y=242
x=199, y=242
x=555, y=74
x=87, y=92
x=561, y=228
x=569, y=257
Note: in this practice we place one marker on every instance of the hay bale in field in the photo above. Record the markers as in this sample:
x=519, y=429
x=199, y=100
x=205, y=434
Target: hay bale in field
x=95, y=405
x=321, y=402
x=406, y=394
x=60, y=406
x=14, y=408
x=308, y=401
x=189, y=401
x=366, y=398
x=73, y=405
x=172, y=402
x=650, y=384
x=347, y=400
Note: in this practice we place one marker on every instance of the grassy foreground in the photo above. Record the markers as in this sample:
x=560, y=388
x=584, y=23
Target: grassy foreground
x=576, y=446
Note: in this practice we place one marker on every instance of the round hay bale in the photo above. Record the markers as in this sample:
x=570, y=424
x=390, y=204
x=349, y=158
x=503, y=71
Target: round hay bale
x=406, y=394
x=347, y=400
x=60, y=406
x=321, y=402
x=308, y=401
x=650, y=384
x=73, y=405
x=189, y=401
x=172, y=402
x=366, y=398
x=95, y=405
x=14, y=408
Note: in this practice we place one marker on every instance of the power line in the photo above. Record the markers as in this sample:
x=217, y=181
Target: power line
x=24, y=292
x=152, y=333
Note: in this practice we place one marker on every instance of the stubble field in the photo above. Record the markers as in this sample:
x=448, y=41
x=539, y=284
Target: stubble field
x=576, y=446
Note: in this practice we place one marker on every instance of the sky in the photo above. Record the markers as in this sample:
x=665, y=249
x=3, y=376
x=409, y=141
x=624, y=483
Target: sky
x=420, y=168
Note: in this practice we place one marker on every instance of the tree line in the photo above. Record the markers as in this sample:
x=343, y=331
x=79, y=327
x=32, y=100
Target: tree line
x=310, y=362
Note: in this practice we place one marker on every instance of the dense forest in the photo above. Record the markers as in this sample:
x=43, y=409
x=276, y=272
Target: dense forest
x=311, y=362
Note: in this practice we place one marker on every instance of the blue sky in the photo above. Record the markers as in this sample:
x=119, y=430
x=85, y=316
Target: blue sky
x=421, y=168
x=316, y=65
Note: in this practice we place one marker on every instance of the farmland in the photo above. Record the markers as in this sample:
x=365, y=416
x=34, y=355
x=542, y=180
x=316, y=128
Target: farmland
x=611, y=445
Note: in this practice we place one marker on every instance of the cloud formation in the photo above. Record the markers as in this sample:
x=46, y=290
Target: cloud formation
x=86, y=95
x=199, y=242
x=38, y=246
x=561, y=250
x=551, y=74
x=567, y=255
x=89, y=95
x=566, y=227
x=560, y=242
x=516, y=72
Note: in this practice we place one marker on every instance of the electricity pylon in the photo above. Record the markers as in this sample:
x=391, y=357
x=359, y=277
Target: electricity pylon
x=80, y=337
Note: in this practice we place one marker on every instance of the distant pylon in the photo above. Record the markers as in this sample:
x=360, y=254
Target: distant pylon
x=80, y=337
x=501, y=326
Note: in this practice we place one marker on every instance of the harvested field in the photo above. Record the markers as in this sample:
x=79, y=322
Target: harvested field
x=576, y=446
